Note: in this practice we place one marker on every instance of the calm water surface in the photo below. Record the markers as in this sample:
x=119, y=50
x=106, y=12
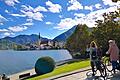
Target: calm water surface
x=12, y=62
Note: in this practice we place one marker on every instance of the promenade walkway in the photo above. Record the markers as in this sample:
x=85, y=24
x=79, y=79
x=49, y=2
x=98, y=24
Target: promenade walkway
x=81, y=75
x=74, y=75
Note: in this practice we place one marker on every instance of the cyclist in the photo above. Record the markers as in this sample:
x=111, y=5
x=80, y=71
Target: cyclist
x=93, y=55
x=114, y=54
x=99, y=53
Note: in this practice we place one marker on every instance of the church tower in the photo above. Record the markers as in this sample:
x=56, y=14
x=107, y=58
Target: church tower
x=39, y=40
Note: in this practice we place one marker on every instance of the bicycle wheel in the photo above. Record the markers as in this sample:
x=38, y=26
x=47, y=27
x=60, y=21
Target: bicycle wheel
x=103, y=70
x=89, y=74
x=95, y=69
x=108, y=65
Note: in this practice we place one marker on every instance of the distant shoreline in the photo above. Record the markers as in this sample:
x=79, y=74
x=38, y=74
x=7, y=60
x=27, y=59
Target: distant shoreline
x=31, y=50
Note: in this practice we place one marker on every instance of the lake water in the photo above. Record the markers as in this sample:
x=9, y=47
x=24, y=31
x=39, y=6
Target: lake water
x=12, y=62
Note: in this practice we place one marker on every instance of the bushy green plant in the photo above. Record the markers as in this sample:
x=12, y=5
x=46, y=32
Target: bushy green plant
x=44, y=65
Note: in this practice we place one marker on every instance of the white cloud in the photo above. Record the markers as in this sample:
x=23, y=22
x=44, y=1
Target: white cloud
x=3, y=30
x=8, y=34
x=18, y=15
x=98, y=6
x=88, y=19
x=54, y=8
x=60, y=16
x=38, y=16
x=29, y=20
x=2, y=19
x=79, y=15
x=31, y=14
x=48, y=23
x=111, y=9
x=28, y=14
x=110, y=3
x=7, y=11
x=1, y=24
x=11, y=2
x=28, y=24
x=40, y=8
x=88, y=8
x=17, y=28
x=75, y=5
x=10, y=19
x=31, y=9
x=27, y=8
x=66, y=24
x=15, y=15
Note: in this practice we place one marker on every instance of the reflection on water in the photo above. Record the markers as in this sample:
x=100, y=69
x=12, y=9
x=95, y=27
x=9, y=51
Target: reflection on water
x=16, y=61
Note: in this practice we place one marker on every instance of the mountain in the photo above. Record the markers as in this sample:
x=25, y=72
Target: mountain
x=5, y=44
x=65, y=35
x=24, y=39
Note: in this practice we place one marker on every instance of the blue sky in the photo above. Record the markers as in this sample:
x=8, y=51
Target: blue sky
x=49, y=17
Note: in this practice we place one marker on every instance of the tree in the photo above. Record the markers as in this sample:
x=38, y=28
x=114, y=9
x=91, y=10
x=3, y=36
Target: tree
x=79, y=39
x=107, y=29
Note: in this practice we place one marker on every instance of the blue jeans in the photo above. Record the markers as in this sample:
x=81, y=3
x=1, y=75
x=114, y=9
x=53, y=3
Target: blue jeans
x=114, y=64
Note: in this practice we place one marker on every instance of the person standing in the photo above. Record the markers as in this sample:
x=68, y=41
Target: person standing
x=114, y=53
x=93, y=55
x=87, y=52
x=99, y=53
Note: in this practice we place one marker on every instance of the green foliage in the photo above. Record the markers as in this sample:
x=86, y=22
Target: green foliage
x=19, y=47
x=44, y=65
x=107, y=29
x=64, y=69
x=79, y=39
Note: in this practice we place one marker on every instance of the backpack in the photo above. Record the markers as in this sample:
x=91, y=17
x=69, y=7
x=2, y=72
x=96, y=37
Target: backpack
x=94, y=54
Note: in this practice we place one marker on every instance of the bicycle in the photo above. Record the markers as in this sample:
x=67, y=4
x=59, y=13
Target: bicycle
x=99, y=65
x=108, y=65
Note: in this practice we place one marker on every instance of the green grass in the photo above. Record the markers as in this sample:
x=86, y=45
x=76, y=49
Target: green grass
x=64, y=69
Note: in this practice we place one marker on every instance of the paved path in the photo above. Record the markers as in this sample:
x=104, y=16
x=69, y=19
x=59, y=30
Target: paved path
x=81, y=75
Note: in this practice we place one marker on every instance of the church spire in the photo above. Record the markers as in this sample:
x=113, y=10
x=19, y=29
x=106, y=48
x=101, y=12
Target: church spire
x=39, y=35
x=39, y=39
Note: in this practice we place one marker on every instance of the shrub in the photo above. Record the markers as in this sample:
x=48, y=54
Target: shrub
x=44, y=65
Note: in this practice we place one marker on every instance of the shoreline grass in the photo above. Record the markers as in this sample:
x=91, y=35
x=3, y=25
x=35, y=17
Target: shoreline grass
x=64, y=69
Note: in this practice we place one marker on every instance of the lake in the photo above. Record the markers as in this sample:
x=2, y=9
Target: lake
x=12, y=62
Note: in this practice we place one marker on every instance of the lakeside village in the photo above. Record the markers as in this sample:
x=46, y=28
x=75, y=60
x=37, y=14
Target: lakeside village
x=44, y=45
x=38, y=45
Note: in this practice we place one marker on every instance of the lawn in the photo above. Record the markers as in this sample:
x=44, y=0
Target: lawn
x=64, y=69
